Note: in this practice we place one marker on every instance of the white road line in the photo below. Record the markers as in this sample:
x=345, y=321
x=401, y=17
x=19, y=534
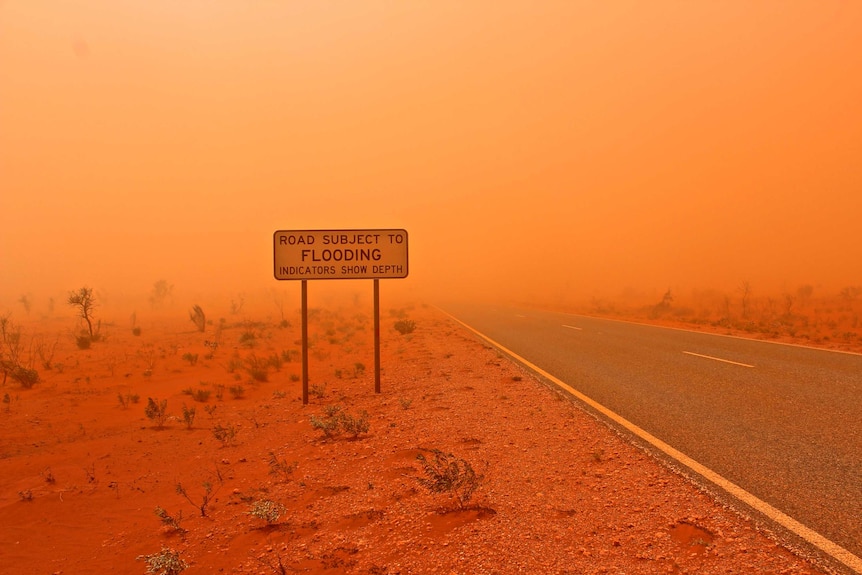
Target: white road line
x=717, y=359
x=827, y=546
x=572, y=327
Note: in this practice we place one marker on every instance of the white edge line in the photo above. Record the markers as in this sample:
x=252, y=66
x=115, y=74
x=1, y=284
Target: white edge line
x=829, y=547
x=717, y=359
x=572, y=327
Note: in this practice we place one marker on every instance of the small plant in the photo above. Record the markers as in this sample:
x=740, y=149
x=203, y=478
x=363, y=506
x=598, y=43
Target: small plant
x=354, y=426
x=225, y=434
x=266, y=509
x=248, y=338
x=258, y=368
x=200, y=395
x=274, y=361
x=165, y=562
x=46, y=352
x=237, y=391
x=25, y=376
x=337, y=421
x=405, y=326
x=170, y=521
x=157, y=411
x=446, y=473
x=25, y=495
x=358, y=369
x=234, y=364
x=317, y=390
x=198, y=318
x=189, y=416
x=192, y=358
x=281, y=468
x=405, y=402
x=210, y=409
x=206, y=498
x=83, y=341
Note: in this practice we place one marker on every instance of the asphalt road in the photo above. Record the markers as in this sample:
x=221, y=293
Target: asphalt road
x=782, y=422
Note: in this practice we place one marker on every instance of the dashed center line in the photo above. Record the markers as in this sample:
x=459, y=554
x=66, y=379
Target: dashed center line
x=717, y=359
x=572, y=327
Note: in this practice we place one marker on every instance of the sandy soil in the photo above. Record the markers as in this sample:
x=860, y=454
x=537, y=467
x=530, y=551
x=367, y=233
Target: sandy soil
x=83, y=469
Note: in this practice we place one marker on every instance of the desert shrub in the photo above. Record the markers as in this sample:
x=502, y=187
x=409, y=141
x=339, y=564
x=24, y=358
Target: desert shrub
x=446, y=473
x=257, y=368
x=281, y=468
x=234, y=364
x=328, y=424
x=206, y=498
x=25, y=376
x=248, y=338
x=192, y=358
x=266, y=509
x=83, y=341
x=289, y=355
x=225, y=433
x=355, y=425
x=237, y=391
x=165, y=562
x=189, y=415
x=46, y=351
x=274, y=361
x=198, y=318
x=157, y=411
x=200, y=395
x=317, y=390
x=170, y=521
x=405, y=326
x=337, y=421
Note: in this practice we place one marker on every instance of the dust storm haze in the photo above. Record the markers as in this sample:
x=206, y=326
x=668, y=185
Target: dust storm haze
x=547, y=151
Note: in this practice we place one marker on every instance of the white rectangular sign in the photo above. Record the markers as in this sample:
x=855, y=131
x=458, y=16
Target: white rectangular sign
x=340, y=254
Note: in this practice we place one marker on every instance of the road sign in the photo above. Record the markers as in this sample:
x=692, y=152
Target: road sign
x=339, y=254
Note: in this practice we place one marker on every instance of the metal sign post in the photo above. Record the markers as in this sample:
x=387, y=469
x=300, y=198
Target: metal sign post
x=339, y=254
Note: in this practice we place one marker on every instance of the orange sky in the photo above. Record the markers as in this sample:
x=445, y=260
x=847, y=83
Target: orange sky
x=556, y=147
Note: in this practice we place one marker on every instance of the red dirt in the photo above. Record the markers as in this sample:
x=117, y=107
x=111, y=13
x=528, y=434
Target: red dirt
x=81, y=475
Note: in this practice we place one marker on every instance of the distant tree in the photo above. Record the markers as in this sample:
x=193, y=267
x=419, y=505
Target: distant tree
x=161, y=291
x=25, y=302
x=198, y=318
x=664, y=305
x=85, y=302
x=804, y=292
x=788, y=304
x=745, y=290
x=850, y=293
